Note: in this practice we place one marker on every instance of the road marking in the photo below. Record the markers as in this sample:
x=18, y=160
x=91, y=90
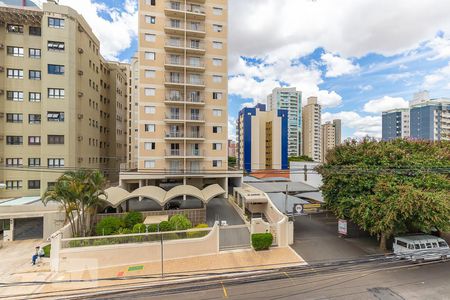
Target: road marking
x=225, y=294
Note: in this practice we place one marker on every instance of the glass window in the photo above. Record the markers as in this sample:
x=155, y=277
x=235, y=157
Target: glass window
x=14, y=140
x=55, y=116
x=56, y=69
x=150, y=92
x=149, y=164
x=217, y=146
x=14, y=162
x=34, y=75
x=34, y=53
x=14, y=28
x=34, y=184
x=217, y=45
x=55, y=46
x=217, y=11
x=55, y=23
x=217, y=129
x=150, y=73
x=150, y=109
x=217, y=95
x=150, y=37
x=55, y=93
x=15, y=73
x=150, y=127
x=150, y=146
x=14, y=118
x=34, y=162
x=217, y=112
x=34, y=119
x=55, y=139
x=216, y=163
x=217, y=28
x=150, y=19
x=13, y=184
x=14, y=51
x=34, y=140
x=150, y=55
x=217, y=79
x=35, y=30
x=34, y=97
x=217, y=62
x=14, y=96
x=55, y=162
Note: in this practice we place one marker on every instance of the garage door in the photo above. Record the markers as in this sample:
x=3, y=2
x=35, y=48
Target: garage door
x=27, y=229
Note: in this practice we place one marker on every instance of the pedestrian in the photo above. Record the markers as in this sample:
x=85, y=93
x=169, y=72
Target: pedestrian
x=35, y=256
x=41, y=252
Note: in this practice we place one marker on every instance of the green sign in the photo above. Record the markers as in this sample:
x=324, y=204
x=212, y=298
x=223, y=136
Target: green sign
x=135, y=268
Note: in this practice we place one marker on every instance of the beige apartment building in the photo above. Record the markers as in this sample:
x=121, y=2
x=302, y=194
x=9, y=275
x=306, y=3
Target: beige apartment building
x=62, y=106
x=182, y=107
x=311, y=131
x=133, y=112
x=331, y=137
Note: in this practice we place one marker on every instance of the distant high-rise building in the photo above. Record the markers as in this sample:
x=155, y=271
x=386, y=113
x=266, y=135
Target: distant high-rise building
x=338, y=127
x=133, y=112
x=291, y=100
x=311, y=121
x=262, y=139
x=330, y=137
x=395, y=124
x=231, y=148
x=430, y=120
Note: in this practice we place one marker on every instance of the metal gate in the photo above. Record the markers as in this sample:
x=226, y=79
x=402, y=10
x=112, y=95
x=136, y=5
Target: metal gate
x=234, y=237
x=29, y=228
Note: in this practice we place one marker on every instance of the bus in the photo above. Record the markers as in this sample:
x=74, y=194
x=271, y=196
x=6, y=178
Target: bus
x=421, y=247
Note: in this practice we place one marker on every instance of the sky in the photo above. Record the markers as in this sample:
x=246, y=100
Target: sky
x=359, y=57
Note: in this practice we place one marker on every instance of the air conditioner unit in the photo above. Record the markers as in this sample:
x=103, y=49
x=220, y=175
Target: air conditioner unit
x=80, y=50
x=80, y=116
x=80, y=72
x=80, y=138
x=80, y=94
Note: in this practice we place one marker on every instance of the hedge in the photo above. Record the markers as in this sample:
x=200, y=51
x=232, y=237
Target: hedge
x=109, y=225
x=262, y=241
x=132, y=218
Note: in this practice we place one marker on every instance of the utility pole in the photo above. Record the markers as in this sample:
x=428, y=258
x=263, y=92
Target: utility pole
x=162, y=255
x=305, y=169
x=286, y=199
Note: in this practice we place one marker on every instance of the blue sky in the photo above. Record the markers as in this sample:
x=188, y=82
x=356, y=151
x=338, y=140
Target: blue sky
x=358, y=57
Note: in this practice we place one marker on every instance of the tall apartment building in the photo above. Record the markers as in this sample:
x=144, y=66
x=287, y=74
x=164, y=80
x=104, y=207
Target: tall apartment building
x=395, y=124
x=231, y=148
x=311, y=130
x=183, y=82
x=62, y=106
x=133, y=112
x=331, y=135
x=291, y=100
x=262, y=139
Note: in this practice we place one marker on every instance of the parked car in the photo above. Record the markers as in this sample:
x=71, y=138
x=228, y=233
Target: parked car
x=421, y=247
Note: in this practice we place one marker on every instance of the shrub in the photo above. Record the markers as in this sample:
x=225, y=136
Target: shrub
x=132, y=218
x=165, y=226
x=124, y=231
x=180, y=222
x=197, y=234
x=109, y=225
x=139, y=228
x=47, y=249
x=262, y=241
x=152, y=228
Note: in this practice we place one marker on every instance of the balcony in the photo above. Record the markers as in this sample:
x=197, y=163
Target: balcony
x=194, y=118
x=179, y=99
x=178, y=9
x=196, y=47
x=195, y=154
x=195, y=136
x=177, y=62
x=176, y=80
x=179, y=27
x=174, y=135
x=174, y=153
x=173, y=118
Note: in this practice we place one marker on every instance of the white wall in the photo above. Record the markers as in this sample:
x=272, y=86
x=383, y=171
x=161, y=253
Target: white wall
x=297, y=173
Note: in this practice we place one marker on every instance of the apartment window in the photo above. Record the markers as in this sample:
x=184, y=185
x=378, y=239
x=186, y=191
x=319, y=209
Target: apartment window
x=217, y=95
x=55, y=23
x=55, y=162
x=34, y=119
x=55, y=139
x=150, y=110
x=217, y=163
x=217, y=45
x=34, y=53
x=149, y=127
x=217, y=62
x=217, y=146
x=14, y=28
x=217, y=129
x=55, y=46
x=150, y=73
x=217, y=28
x=150, y=19
x=217, y=112
x=150, y=37
x=150, y=91
x=15, y=73
x=34, y=162
x=13, y=184
x=14, y=96
x=54, y=93
x=217, y=11
x=14, y=51
x=150, y=2
x=14, y=118
x=56, y=69
x=35, y=31
x=34, y=184
x=34, y=140
x=149, y=164
x=16, y=162
x=14, y=140
x=54, y=116
x=217, y=79
x=34, y=97
x=150, y=55
x=150, y=146
x=34, y=75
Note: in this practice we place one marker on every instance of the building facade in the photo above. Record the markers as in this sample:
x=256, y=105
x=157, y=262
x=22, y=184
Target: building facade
x=331, y=135
x=231, y=148
x=395, y=124
x=291, y=100
x=262, y=139
x=311, y=130
x=430, y=120
x=133, y=113
x=62, y=106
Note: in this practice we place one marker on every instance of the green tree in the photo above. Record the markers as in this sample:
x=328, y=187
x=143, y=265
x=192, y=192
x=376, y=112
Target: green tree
x=132, y=218
x=300, y=158
x=389, y=188
x=232, y=161
x=180, y=222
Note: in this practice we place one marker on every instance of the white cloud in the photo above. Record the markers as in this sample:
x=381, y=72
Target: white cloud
x=338, y=66
x=439, y=76
x=440, y=46
x=231, y=128
x=365, y=88
x=384, y=104
x=362, y=125
x=116, y=34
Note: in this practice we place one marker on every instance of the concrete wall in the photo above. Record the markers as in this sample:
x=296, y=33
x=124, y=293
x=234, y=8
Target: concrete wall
x=297, y=174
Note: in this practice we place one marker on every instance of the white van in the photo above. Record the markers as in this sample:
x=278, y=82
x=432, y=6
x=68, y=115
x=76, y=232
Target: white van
x=421, y=247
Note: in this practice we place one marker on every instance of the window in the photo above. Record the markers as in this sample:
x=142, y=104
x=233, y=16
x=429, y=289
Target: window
x=14, y=118
x=217, y=28
x=34, y=119
x=217, y=79
x=403, y=244
x=150, y=55
x=14, y=162
x=217, y=129
x=34, y=75
x=150, y=19
x=149, y=164
x=34, y=53
x=35, y=31
x=34, y=97
x=55, y=23
x=150, y=2
x=150, y=37
x=216, y=163
x=34, y=140
x=217, y=95
x=14, y=140
x=56, y=69
x=54, y=93
x=55, y=162
x=149, y=127
x=150, y=73
x=14, y=51
x=13, y=184
x=55, y=116
x=150, y=110
x=55, y=46
x=34, y=184
x=217, y=112
x=217, y=11
x=14, y=28
x=55, y=139
x=149, y=92
x=217, y=45
x=34, y=162
x=217, y=62
x=14, y=96
x=150, y=146
x=15, y=73
x=217, y=146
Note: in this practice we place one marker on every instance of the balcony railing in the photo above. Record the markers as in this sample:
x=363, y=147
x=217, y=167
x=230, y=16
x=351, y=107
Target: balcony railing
x=193, y=45
x=195, y=135
x=181, y=99
x=175, y=134
x=173, y=117
x=195, y=153
x=191, y=8
x=174, y=152
x=180, y=61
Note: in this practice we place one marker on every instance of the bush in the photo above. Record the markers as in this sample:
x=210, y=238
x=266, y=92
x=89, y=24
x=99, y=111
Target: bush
x=47, y=249
x=132, y=218
x=197, y=234
x=139, y=228
x=180, y=222
x=152, y=228
x=165, y=226
x=124, y=231
x=109, y=225
x=262, y=241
